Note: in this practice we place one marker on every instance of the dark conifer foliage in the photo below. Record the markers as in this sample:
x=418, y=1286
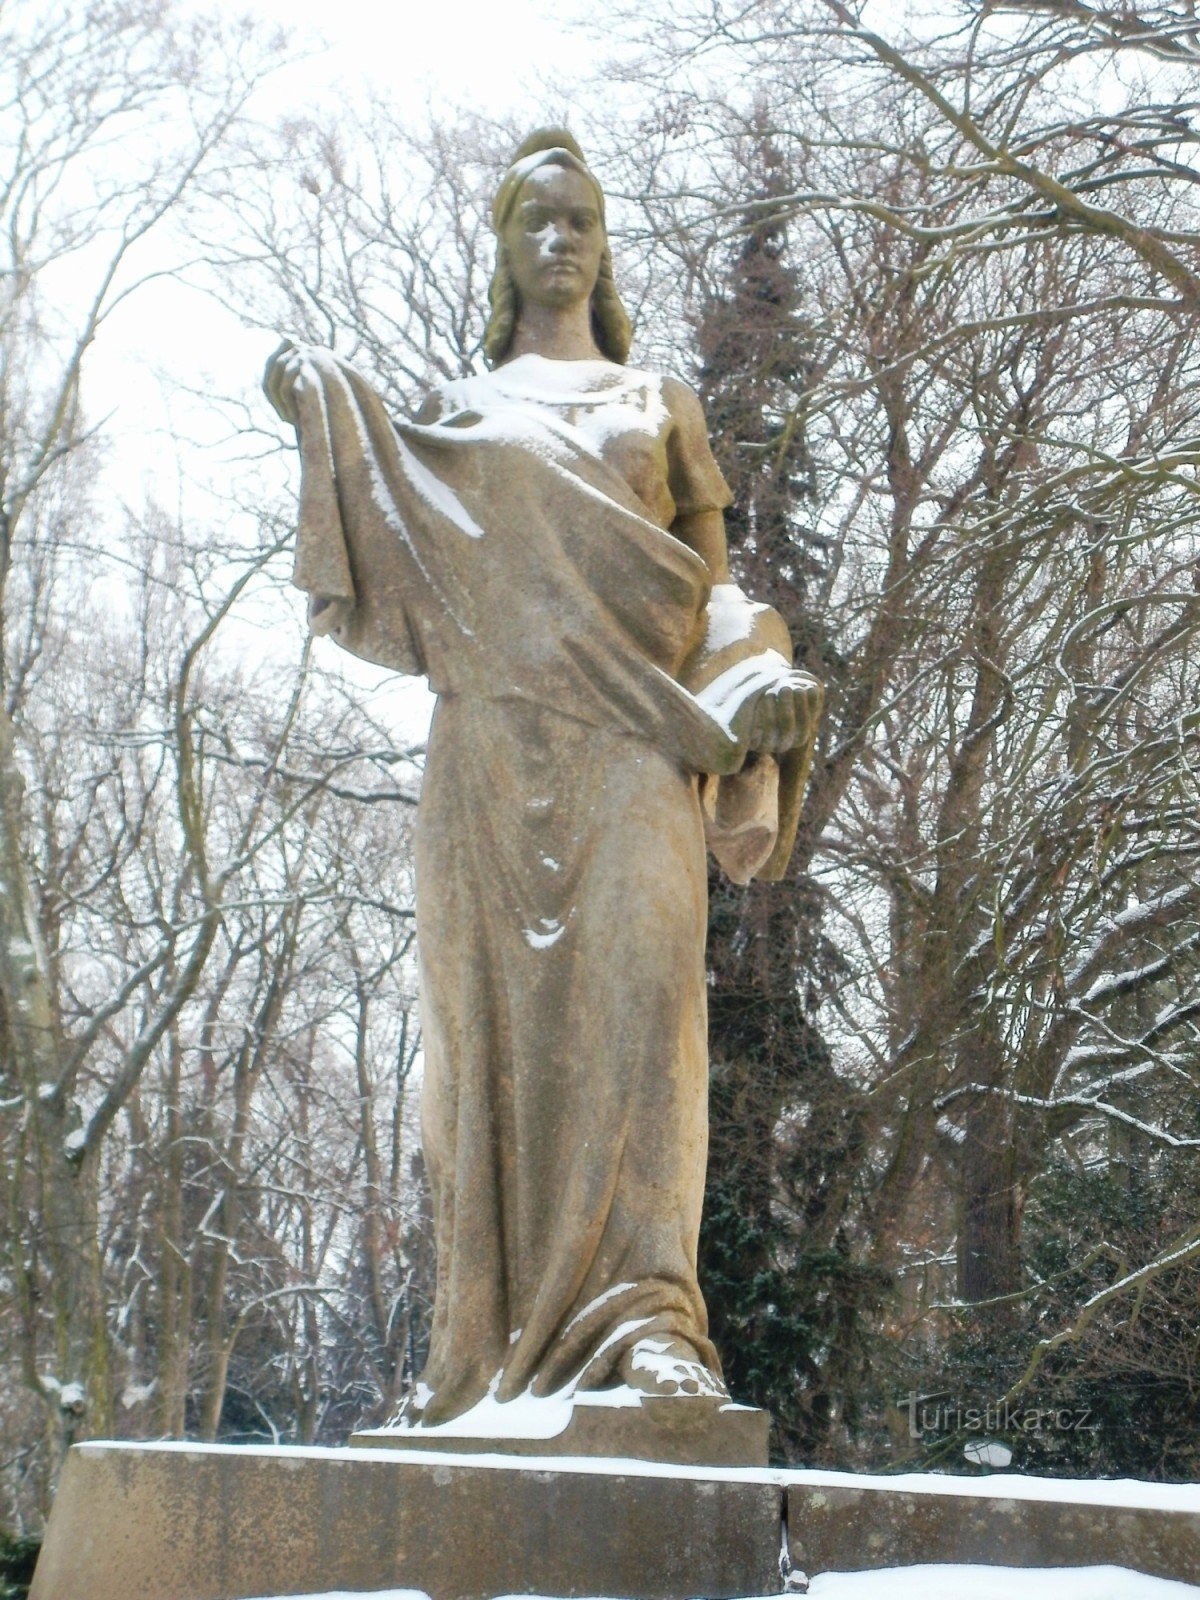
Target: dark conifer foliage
x=783, y=1291
x=756, y=356
x=18, y=1557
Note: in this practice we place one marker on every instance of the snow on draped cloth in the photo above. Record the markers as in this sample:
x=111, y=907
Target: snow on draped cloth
x=503, y=559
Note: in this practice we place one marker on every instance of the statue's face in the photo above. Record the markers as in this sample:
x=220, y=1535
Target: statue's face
x=555, y=238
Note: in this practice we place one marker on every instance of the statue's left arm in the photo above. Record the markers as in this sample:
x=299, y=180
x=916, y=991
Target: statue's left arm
x=751, y=817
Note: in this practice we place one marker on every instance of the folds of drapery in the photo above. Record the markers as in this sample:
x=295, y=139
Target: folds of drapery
x=503, y=559
x=586, y=670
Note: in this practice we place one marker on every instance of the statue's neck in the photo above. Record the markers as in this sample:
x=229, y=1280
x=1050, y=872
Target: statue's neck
x=558, y=333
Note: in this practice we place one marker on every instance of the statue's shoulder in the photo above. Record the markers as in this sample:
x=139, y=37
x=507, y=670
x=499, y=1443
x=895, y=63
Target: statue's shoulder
x=678, y=392
x=455, y=394
x=682, y=401
x=685, y=407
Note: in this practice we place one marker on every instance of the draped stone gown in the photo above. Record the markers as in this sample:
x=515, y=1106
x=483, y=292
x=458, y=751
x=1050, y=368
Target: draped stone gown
x=513, y=545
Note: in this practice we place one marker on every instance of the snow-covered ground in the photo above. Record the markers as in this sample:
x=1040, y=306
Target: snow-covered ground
x=941, y=1583
x=998, y=1583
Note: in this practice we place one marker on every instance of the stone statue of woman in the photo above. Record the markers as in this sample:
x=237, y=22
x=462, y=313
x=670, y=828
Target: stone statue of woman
x=546, y=544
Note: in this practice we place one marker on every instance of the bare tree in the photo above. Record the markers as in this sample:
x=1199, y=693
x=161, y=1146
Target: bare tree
x=371, y=235
x=997, y=288
x=78, y=207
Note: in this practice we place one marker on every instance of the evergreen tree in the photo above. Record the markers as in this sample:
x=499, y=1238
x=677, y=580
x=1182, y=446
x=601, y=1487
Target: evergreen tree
x=783, y=1291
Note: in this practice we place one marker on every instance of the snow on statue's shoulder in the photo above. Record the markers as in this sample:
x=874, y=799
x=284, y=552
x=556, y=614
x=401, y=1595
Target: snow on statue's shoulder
x=596, y=400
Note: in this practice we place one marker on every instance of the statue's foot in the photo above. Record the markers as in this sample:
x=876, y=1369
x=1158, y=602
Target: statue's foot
x=662, y=1367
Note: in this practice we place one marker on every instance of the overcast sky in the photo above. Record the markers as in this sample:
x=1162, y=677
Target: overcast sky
x=445, y=54
x=477, y=52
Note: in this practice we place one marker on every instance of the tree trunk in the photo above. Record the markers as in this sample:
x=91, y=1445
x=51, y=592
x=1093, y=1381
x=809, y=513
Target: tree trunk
x=989, y=1235
x=78, y=1389
x=174, y=1269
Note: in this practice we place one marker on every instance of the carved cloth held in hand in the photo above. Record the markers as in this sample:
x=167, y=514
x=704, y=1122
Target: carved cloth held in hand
x=586, y=686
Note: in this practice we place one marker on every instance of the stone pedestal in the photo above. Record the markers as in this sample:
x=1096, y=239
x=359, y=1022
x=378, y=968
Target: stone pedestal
x=843, y=1522
x=682, y=1432
x=193, y=1522
x=186, y=1522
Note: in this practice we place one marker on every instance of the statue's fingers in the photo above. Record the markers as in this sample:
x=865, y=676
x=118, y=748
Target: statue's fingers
x=284, y=398
x=273, y=381
x=278, y=356
x=795, y=713
x=767, y=719
x=278, y=377
x=270, y=375
x=785, y=719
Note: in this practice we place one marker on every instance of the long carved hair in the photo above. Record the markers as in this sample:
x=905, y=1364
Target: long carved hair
x=611, y=327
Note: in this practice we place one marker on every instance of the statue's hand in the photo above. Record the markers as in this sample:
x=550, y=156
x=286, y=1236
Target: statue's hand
x=782, y=716
x=279, y=380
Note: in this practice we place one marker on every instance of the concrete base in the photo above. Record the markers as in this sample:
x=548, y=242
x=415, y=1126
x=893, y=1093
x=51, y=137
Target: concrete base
x=162, y=1522
x=193, y=1522
x=682, y=1432
x=838, y=1522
